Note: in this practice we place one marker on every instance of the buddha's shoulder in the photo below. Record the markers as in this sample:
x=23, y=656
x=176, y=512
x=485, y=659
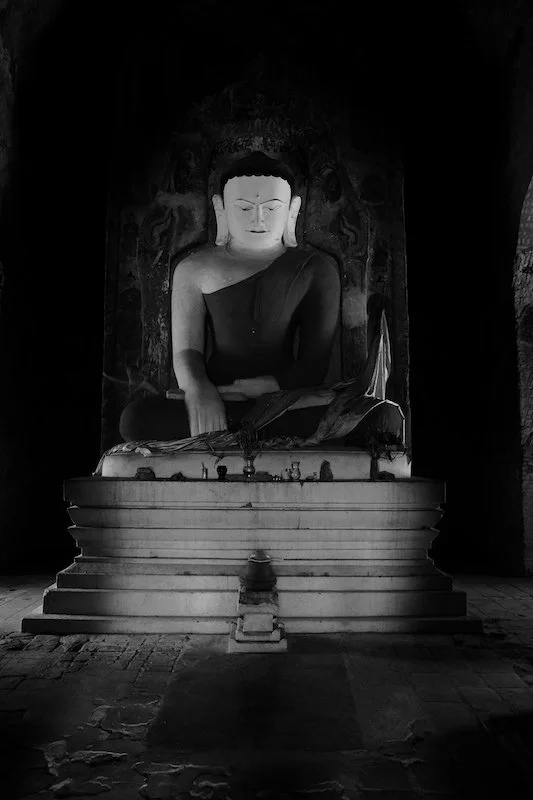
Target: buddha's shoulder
x=196, y=263
x=318, y=260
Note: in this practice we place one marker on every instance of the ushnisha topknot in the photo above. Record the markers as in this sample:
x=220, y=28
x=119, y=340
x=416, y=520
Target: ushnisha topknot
x=257, y=163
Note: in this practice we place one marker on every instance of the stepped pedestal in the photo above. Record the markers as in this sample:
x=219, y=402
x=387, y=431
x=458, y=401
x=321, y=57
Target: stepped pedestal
x=163, y=556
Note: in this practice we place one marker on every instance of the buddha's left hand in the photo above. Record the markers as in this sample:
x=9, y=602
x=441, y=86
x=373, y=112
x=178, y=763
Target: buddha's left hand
x=255, y=387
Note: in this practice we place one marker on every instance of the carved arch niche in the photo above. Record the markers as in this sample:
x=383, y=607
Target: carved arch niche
x=352, y=209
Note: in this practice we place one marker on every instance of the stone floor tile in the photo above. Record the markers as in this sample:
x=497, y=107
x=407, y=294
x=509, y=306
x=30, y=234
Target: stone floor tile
x=518, y=699
x=467, y=677
x=414, y=652
x=491, y=589
x=30, y=685
x=153, y=677
x=525, y=584
x=493, y=606
x=387, y=712
x=484, y=699
x=446, y=655
x=302, y=701
x=484, y=660
x=514, y=590
x=504, y=680
x=394, y=794
x=380, y=652
x=43, y=642
x=371, y=671
x=159, y=665
x=476, y=608
x=383, y=775
x=435, y=687
x=438, y=796
x=308, y=643
x=449, y=717
x=9, y=682
x=434, y=776
x=137, y=664
x=473, y=592
x=211, y=643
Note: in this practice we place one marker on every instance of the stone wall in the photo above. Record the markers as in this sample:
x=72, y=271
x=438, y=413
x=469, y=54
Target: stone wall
x=50, y=315
x=520, y=168
x=475, y=131
x=520, y=184
x=21, y=23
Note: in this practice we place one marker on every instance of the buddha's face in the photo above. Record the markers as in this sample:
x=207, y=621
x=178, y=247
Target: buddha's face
x=257, y=208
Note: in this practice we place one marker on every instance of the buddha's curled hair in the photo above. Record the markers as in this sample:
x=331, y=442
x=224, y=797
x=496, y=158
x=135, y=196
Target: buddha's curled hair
x=257, y=163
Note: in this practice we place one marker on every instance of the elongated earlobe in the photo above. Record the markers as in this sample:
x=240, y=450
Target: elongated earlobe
x=289, y=234
x=222, y=236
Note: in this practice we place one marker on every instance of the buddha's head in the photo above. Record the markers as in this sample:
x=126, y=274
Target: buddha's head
x=256, y=209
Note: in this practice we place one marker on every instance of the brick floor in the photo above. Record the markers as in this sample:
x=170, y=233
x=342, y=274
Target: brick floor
x=381, y=716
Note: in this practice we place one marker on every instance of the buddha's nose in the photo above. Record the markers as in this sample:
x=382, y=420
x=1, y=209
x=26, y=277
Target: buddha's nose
x=258, y=219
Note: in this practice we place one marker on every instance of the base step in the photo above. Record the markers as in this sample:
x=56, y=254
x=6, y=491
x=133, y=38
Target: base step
x=308, y=580
x=221, y=603
x=67, y=624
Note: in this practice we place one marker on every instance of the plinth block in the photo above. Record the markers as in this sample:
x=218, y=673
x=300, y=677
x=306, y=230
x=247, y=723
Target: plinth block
x=168, y=556
x=348, y=494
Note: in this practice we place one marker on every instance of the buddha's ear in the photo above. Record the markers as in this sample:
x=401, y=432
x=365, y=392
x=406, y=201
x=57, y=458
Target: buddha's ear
x=222, y=236
x=289, y=234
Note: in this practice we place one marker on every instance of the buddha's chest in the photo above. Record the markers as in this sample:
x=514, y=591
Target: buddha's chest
x=222, y=275
x=262, y=307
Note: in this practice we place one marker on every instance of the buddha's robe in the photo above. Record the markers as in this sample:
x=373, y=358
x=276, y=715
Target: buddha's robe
x=253, y=325
x=253, y=322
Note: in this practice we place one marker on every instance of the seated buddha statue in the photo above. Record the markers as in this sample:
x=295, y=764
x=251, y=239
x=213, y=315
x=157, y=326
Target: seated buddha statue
x=271, y=307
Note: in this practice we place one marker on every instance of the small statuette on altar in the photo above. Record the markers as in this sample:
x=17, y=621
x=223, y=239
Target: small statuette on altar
x=144, y=474
x=286, y=475
x=222, y=471
x=295, y=471
x=177, y=476
x=326, y=473
x=204, y=472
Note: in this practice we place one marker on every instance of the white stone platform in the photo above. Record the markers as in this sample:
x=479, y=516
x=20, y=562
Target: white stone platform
x=346, y=463
x=166, y=556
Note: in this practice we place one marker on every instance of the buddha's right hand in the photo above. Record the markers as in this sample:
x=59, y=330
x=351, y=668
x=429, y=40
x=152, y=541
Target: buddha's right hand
x=205, y=408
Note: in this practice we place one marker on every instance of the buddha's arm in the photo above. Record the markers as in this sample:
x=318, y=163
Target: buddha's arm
x=204, y=405
x=318, y=315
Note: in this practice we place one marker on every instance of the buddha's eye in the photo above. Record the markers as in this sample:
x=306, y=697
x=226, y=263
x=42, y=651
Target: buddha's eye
x=272, y=207
x=244, y=207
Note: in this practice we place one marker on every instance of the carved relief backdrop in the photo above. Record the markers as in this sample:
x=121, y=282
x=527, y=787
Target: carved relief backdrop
x=352, y=192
